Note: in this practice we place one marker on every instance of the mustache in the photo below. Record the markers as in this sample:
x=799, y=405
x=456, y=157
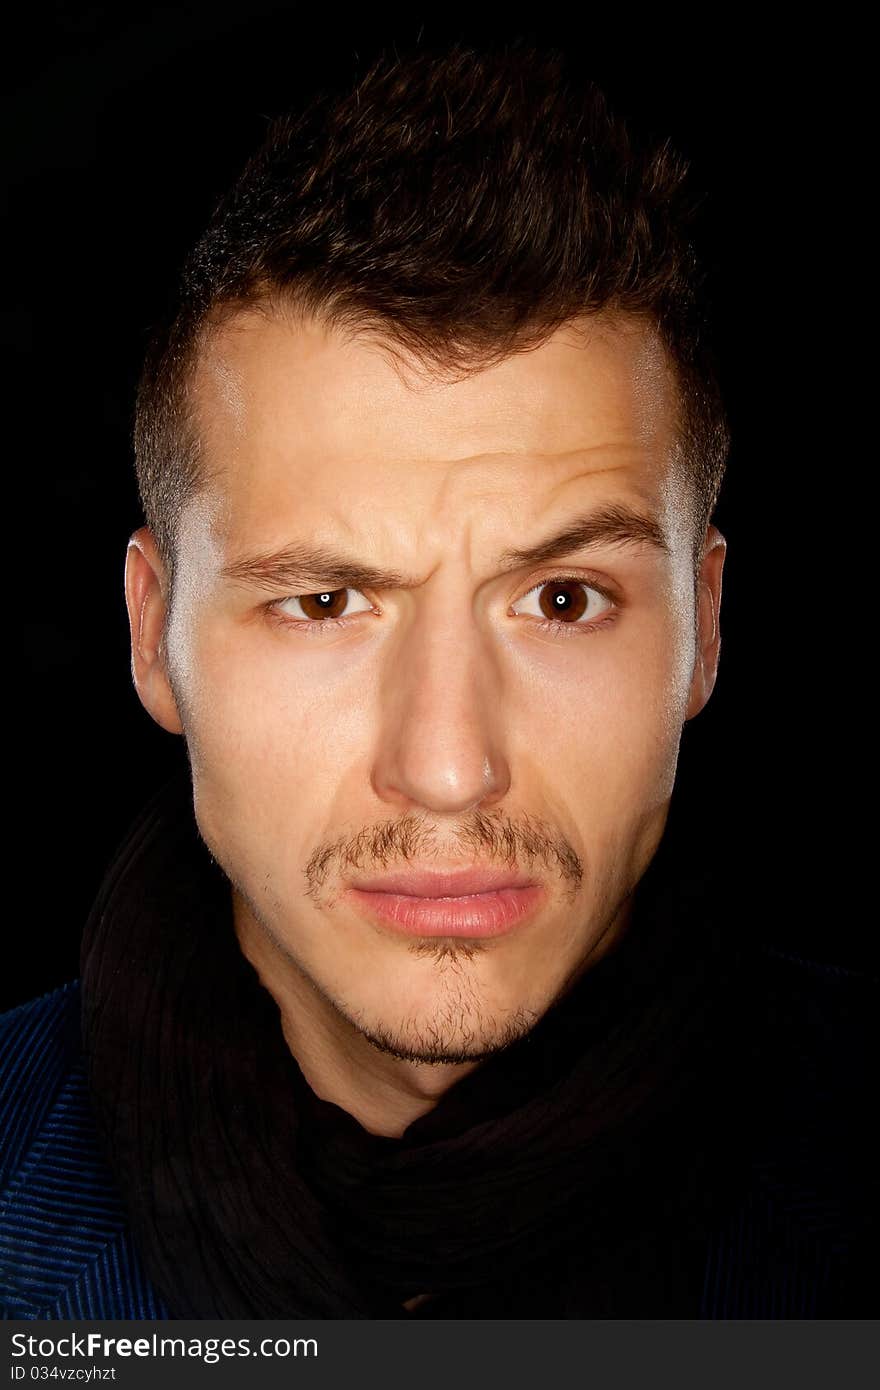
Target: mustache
x=487, y=838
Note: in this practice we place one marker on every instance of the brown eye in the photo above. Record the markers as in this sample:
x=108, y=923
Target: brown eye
x=332, y=603
x=566, y=601
x=563, y=599
x=329, y=605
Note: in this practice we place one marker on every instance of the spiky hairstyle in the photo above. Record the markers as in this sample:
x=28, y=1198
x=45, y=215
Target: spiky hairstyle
x=461, y=205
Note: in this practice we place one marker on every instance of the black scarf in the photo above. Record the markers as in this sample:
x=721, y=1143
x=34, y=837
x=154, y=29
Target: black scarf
x=574, y=1174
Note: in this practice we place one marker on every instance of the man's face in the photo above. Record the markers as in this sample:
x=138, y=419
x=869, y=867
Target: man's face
x=445, y=723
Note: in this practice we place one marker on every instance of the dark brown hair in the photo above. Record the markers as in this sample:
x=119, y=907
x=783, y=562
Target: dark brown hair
x=460, y=205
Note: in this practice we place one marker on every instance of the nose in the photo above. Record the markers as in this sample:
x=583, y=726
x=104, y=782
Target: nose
x=441, y=726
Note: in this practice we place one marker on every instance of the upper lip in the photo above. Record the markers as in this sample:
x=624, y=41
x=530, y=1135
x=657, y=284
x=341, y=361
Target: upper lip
x=453, y=883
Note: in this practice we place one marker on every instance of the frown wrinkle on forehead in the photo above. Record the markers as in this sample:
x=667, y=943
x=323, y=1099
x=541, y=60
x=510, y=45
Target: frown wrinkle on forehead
x=316, y=440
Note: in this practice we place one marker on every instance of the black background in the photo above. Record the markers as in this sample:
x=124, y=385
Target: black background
x=127, y=122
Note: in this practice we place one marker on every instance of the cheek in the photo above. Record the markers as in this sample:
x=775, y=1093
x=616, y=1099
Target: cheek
x=640, y=754
x=626, y=769
x=268, y=734
x=611, y=717
x=233, y=712
x=241, y=699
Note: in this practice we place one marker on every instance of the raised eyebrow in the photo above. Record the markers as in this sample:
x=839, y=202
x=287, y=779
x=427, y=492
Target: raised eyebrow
x=300, y=565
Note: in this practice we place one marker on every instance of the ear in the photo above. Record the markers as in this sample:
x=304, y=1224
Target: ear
x=145, y=590
x=708, y=607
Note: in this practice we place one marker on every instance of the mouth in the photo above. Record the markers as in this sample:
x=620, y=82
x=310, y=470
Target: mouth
x=466, y=903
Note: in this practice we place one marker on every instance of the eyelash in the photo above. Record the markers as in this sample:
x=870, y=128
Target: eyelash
x=552, y=625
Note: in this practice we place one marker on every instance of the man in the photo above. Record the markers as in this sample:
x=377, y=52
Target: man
x=405, y=1002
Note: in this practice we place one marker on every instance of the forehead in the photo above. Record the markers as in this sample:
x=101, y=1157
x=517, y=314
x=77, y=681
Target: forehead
x=303, y=426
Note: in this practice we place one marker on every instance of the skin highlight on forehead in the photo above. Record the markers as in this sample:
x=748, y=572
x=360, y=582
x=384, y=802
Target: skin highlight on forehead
x=254, y=358
x=296, y=404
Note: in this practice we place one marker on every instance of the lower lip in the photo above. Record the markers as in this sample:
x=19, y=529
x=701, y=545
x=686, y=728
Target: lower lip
x=477, y=914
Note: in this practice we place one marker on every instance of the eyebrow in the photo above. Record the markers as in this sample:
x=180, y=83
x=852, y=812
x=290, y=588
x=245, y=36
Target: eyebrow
x=299, y=565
